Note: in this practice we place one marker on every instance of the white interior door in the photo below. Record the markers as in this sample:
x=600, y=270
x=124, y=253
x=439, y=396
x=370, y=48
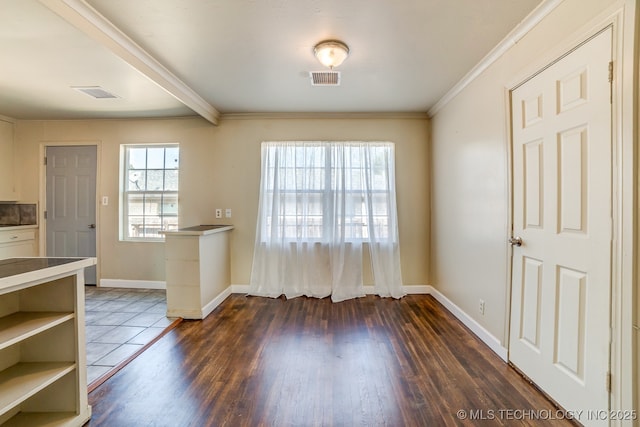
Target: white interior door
x=71, y=203
x=561, y=280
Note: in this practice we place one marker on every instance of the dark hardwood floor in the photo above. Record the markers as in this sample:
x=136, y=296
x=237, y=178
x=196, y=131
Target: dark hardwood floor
x=308, y=362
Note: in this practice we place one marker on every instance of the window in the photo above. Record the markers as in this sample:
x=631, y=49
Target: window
x=320, y=202
x=149, y=190
x=310, y=189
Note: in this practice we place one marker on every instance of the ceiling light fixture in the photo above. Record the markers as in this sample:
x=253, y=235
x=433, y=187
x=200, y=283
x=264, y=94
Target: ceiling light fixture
x=331, y=53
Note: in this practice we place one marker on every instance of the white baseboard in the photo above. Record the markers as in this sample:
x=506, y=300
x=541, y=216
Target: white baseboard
x=239, y=289
x=409, y=290
x=417, y=289
x=484, y=335
x=134, y=284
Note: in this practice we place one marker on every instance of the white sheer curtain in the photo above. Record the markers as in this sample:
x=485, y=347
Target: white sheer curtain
x=319, y=203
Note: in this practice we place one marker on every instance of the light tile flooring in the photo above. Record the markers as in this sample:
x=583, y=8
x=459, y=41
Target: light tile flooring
x=120, y=322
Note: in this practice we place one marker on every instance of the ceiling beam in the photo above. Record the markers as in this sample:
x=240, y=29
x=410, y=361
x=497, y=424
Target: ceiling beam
x=88, y=20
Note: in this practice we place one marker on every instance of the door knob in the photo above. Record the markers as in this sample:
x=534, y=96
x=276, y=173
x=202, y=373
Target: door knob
x=92, y=226
x=515, y=241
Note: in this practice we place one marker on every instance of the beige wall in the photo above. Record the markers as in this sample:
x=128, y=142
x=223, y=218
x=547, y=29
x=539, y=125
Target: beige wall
x=220, y=168
x=7, y=190
x=470, y=171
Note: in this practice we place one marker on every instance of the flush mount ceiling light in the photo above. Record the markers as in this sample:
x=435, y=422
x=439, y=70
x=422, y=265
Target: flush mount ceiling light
x=331, y=53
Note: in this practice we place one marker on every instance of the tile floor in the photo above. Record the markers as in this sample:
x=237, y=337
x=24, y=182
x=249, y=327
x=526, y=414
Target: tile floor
x=119, y=322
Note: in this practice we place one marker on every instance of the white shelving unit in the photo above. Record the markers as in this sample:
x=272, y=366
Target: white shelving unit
x=43, y=378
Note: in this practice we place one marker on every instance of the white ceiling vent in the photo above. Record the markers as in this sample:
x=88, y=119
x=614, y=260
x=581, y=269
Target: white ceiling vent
x=95, y=92
x=325, y=78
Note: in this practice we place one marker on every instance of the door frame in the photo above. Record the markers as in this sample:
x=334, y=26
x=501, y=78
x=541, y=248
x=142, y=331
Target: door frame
x=42, y=198
x=621, y=17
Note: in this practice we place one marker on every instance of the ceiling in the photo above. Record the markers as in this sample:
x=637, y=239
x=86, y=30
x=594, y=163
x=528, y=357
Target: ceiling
x=167, y=58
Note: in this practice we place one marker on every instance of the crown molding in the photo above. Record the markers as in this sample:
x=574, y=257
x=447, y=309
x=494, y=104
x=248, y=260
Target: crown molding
x=316, y=116
x=115, y=119
x=530, y=21
x=88, y=20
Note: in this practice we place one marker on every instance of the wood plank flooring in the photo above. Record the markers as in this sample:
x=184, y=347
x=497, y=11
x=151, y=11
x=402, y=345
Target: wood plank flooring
x=308, y=362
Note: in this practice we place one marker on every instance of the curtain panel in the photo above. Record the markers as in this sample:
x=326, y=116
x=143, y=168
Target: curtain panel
x=320, y=202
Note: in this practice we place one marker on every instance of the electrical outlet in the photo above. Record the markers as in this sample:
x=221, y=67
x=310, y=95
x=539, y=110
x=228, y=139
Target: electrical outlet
x=481, y=307
x=227, y=213
x=218, y=213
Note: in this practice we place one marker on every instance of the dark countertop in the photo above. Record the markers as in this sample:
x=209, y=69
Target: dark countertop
x=199, y=230
x=18, y=273
x=17, y=227
x=203, y=227
x=14, y=266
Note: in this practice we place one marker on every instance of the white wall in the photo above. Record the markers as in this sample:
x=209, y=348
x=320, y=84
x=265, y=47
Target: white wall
x=470, y=171
x=220, y=168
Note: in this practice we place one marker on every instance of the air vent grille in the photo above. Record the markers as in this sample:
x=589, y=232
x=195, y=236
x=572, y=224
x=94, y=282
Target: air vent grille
x=95, y=92
x=325, y=78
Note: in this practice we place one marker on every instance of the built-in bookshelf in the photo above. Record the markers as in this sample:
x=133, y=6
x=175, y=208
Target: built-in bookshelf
x=43, y=379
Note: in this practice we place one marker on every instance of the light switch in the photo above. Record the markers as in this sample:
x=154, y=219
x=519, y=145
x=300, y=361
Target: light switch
x=105, y=200
x=227, y=213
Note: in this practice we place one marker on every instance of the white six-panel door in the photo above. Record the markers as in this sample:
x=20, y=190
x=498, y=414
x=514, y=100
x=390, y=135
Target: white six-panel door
x=562, y=210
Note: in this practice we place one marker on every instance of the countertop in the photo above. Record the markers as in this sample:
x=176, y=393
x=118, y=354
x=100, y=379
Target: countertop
x=199, y=230
x=17, y=227
x=16, y=271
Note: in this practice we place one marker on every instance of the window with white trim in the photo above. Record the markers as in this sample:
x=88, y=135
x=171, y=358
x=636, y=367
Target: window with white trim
x=149, y=175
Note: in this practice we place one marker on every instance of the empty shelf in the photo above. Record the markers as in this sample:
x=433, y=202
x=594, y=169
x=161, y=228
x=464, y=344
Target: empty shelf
x=23, y=380
x=43, y=419
x=22, y=325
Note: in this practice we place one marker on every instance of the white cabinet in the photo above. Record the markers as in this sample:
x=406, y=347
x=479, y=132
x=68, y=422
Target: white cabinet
x=7, y=179
x=18, y=242
x=43, y=378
